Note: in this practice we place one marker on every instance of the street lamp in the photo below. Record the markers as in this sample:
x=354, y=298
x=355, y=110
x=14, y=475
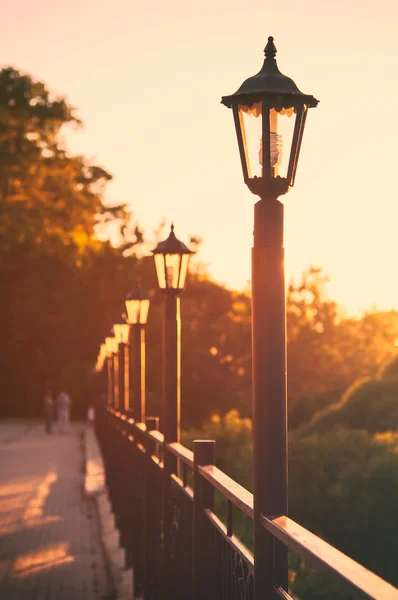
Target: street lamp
x=269, y=114
x=113, y=371
x=121, y=329
x=102, y=355
x=137, y=307
x=171, y=261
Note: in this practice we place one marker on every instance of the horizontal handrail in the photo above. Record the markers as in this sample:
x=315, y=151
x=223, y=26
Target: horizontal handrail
x=282, y=594
x=185, y=489
x=231, y=539
x=321, y=555
x=237, y=494
x=181, y=452
x=156, y=436
x=140, y=426
x=325, y=557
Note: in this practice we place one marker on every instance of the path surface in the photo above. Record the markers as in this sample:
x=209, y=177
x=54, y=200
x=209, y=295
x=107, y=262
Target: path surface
x=49, y=538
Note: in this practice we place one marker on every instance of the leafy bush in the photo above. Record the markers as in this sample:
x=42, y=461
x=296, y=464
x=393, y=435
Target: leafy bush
x=369, y=404
x=343, y=486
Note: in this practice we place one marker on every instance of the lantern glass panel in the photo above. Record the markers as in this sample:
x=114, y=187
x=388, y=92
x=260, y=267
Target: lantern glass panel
x=115, y=345
x=109, y=345
x=183, y=272
x=250, y=120
x=281, y=128
x=133, y=311
x=118, y=333
x=121, y=331
x=144, y=308
x=281, y=135
x=160, y=270
x=172, y=262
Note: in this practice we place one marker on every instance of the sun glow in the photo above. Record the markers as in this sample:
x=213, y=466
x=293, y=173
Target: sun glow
x=41, y=560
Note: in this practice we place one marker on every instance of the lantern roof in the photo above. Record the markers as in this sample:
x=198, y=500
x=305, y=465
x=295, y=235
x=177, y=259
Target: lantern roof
x=172, y=245
x=137, y=293
x=271, y=83
x=120, y=320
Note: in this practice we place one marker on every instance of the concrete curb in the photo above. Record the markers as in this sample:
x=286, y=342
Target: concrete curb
x=95, y=490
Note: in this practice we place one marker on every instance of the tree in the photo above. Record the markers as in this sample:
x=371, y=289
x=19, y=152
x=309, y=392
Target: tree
x=327, y=351
x=50, y=203
x=370, y=404
x=343, y=486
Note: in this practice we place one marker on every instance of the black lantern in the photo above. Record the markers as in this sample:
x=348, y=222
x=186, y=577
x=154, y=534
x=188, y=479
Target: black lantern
x=269, y=113
x=171, y=260
x=137, y=307
x=121, y=330
x=111, y=345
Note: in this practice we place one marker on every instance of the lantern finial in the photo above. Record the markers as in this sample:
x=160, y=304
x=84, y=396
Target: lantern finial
x=270, y=49
x=172, y=228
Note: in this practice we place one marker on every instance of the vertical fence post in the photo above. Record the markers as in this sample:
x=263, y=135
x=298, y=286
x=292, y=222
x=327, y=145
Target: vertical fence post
x=269, y=394
x=204, y=454
x=149, y=541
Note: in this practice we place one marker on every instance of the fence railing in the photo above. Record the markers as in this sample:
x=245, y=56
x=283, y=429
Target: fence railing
x=163, y=496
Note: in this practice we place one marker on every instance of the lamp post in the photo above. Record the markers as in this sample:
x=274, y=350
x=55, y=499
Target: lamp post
x=102, y=355
x=137, y=307
x=112, y=348
x=171, y=261
x=269, y=114
x=121, y=329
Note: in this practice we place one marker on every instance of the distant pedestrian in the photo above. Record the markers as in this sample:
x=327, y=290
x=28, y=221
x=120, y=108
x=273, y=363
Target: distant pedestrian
x=63, y=409
x=91, y=415
x=48, y=410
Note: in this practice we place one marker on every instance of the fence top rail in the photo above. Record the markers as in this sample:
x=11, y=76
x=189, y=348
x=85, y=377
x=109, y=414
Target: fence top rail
x=181, y=452
x=232, y=540
x=325, y=557
x=140, y=426
x=156, y=436
x=234, y=492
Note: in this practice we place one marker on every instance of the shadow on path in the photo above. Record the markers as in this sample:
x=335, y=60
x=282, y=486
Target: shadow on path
x=49, y=537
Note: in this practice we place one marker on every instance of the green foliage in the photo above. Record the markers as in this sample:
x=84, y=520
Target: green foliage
x=390, y=369
x=327, y=351
x=369, y=404
x=57, y=277
x=48, y=198
x=343, y=486
x=234, y=445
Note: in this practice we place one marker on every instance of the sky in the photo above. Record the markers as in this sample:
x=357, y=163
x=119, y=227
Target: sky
x=147, y=79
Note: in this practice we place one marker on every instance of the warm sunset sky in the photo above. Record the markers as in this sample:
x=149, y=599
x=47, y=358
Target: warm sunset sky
x=147, y=78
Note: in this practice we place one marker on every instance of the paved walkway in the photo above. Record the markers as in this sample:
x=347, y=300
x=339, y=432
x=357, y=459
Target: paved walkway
x=49, y=538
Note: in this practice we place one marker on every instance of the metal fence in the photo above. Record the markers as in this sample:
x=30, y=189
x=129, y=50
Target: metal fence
x=163, y=496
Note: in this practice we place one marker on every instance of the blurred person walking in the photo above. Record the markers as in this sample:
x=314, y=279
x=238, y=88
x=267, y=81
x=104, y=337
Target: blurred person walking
x=48, y=410
x=63, y=409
